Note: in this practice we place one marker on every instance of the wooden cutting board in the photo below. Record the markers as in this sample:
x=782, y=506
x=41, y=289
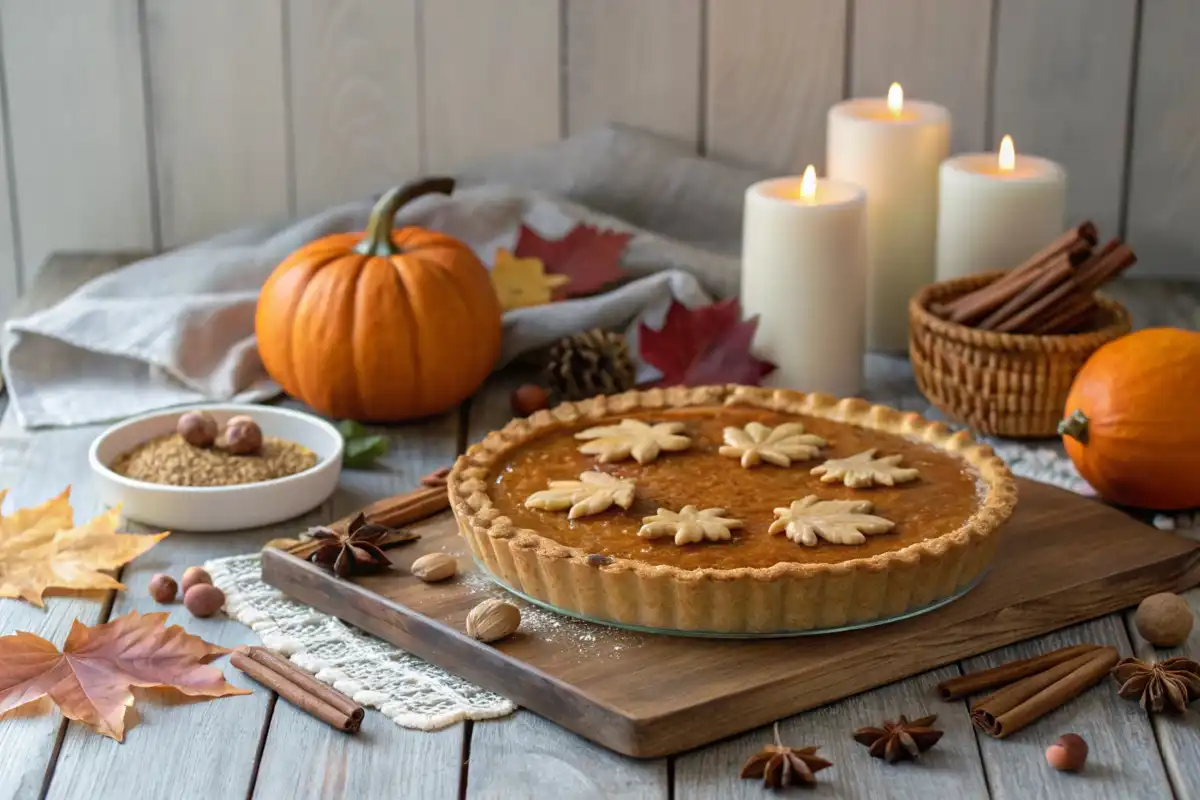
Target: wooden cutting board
x=1064, y=559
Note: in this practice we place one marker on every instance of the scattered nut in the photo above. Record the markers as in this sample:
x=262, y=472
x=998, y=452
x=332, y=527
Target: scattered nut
x=163, y=588
x=193, y=576
x=1068, y=753
x=203, y=599
x=241, y=436
x=598, y=560
x=198, y=428
x=528, y=399
x=1164, y=619
x=492, y=620
x=434, y=567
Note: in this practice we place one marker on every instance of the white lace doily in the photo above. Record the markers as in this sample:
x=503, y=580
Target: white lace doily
x=416, y=694
x=409, y=690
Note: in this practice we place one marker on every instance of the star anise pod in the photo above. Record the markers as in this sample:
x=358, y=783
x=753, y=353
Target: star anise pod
x=897, y=741
x=780, y=766
x=1168, y=685
x=357, y=551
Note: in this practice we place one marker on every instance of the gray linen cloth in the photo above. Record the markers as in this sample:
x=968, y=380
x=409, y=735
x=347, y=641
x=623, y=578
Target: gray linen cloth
x=178, y=328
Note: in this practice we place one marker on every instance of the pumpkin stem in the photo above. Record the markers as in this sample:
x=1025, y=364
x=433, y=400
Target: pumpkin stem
x=1075, y=426
x=377, y=241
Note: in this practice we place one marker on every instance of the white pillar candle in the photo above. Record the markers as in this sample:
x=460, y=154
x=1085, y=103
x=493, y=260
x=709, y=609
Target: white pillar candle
x=997, y=210
x=804, y=274
x=892, y=148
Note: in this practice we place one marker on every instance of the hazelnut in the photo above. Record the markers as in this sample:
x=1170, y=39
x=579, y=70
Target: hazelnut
x=528, y=399
x=492, y=620
x=203, y=599
x=241, y=436
x=1164, y=619
x=163, y=588
x=434, y=567
x=198, y=428
x=1067, y=754
x=193, y=576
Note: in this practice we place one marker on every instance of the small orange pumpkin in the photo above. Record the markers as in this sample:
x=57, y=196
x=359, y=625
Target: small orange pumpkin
x=380, y=326
x=1132, y=426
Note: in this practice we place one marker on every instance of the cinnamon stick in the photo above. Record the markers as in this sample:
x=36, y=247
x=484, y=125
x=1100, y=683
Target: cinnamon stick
x=1055, y=275
x=1013, y=707
x=403, y=509
x=1005, y=674
x=283, y=684
x=1113, y=259
x=1072, y=312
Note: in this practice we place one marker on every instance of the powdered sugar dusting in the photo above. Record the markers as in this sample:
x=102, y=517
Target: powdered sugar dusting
x=591, y=639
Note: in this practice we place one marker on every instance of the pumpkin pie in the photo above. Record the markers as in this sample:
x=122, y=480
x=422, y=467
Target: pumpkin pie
x=731, y=509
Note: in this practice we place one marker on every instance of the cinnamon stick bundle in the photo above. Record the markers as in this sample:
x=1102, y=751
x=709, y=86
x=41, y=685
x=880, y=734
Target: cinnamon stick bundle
x=299, y=688
x=1019, y=704
x=1050, y=293
x=1005, y=674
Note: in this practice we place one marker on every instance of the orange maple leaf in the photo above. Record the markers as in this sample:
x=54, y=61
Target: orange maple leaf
x=40, y=549
x=90, y=679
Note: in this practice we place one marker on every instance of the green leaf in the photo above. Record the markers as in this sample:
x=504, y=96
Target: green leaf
x=351, y=429
x=362, y=451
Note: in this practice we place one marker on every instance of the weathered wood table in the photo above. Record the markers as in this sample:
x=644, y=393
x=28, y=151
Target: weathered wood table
x=259, y=747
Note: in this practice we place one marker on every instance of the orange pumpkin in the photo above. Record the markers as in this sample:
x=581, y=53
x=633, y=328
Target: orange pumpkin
x=1131, y=424
x=380, y=326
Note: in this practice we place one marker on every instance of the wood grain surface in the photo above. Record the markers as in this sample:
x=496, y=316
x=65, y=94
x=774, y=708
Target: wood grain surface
x=693, y=691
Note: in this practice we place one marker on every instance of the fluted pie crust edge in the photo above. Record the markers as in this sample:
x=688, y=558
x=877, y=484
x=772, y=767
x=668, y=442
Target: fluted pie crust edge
x=781, y=598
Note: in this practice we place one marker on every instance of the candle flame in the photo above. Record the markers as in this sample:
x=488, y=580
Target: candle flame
x=895, y=99
x=1008, y=154
x=808, y=184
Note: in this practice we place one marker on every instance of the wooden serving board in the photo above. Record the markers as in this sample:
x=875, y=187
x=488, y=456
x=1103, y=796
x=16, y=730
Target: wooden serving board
x=1064, y=559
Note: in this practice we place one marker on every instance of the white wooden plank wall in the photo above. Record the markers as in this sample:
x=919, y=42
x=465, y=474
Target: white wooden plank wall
x=153, y=123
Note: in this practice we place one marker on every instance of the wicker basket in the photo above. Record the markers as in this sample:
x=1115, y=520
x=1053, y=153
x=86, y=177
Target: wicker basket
x=1000, y=384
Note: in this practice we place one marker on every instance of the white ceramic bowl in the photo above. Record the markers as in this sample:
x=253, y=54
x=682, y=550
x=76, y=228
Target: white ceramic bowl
x=219, y=508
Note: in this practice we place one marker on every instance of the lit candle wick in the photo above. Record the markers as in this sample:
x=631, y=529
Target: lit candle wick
x=1008, y=155
x=808, y=184
x=895, y=99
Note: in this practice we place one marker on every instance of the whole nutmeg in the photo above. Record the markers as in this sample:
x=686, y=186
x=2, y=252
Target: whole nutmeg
x=1164, y=619
x=163, y=588
x=528, y=399
x=492, y=620
x=193, y=576
x=198, y=428
x=241, y=436
x=434, y=567
x=203, y=600
x=1068, y=754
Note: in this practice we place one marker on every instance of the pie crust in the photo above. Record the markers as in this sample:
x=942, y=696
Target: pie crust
x=785, y=597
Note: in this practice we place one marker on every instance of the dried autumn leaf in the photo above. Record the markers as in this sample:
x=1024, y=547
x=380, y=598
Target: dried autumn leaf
x=90, y=679
x=589, y=256
x=523, y=282
x=40, y=549
x=702, y=346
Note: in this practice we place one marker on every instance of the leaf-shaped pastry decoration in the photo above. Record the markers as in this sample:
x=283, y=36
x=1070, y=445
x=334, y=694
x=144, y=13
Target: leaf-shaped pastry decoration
x=592, y=493
x=863, y=469
x=689, y=525
x=523, y=282
x=836, y=521
x=90, y=679
x=40, y=549
x=632, y=437
x=756, y=443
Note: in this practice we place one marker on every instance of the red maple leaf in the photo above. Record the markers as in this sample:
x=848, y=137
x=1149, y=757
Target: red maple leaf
x=703, y=346
x=589, y=256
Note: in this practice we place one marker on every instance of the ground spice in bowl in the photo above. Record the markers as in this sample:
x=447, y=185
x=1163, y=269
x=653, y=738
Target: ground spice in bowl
x=171, y=460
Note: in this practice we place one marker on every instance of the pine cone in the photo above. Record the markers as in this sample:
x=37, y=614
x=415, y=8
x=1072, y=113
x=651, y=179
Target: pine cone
x=587, y=364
